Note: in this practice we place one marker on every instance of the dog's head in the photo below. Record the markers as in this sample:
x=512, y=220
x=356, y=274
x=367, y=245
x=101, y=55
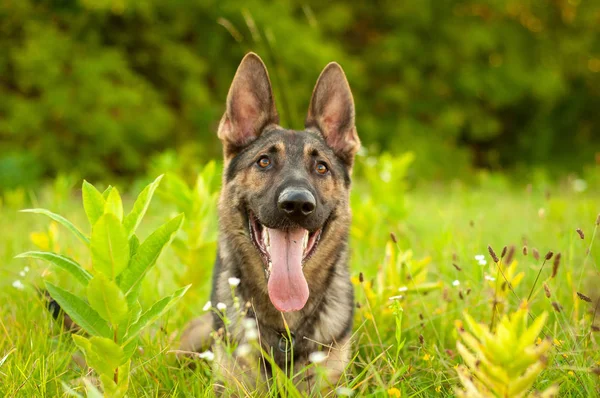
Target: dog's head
x=287, y=190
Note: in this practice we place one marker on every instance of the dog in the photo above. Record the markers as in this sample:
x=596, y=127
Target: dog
x=284, y=219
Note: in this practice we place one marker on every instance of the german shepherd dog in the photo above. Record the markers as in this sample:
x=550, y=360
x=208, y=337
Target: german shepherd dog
x=284, y=223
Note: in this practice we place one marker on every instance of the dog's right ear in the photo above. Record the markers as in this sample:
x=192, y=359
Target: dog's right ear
x=250, y=105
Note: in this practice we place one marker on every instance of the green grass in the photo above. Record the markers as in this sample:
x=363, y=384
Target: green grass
x=435, y=227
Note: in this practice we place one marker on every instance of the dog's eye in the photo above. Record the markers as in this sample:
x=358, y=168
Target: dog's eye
x=321, y=168
x=264, y=162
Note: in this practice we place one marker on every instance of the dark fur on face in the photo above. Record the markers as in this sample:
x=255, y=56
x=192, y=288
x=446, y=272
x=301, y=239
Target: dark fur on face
x=285, y=217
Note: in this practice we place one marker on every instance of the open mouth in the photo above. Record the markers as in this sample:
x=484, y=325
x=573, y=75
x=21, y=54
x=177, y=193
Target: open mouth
x=284, y=254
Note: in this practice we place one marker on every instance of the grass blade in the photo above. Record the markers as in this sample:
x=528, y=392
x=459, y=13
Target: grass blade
x=133, y=219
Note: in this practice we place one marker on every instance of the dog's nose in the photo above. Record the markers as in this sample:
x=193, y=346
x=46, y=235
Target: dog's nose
x=297, y=202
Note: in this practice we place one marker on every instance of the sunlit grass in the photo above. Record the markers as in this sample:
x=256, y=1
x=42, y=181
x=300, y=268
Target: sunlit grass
x=431, y=271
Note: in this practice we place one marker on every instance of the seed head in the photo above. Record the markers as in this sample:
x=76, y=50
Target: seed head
x=361, y=277
x=549, y=255
x=536, y=254
x=510, y=255
x=493, y=254
x=547, y=290
x=421, y=339
x=598, y=219
x=580, y=233
x=584, y=297
x=504, y=249
x=524, y=250
x=556, y=264
x=557, y=307
x=393, y=236
x=595, y=328
x=457, y=267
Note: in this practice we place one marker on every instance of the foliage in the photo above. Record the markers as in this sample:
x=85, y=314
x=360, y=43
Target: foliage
x=410, y=287
x=112, y=315
x=102, y=86
x=505, y=362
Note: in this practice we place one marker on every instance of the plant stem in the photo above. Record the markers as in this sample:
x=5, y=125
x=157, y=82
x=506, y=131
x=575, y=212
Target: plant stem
x=116, y=377
x=536, y=279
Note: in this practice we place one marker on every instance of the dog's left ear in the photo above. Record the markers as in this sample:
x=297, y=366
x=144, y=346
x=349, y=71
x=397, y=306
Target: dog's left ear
x=331, y=111
x=250, y=105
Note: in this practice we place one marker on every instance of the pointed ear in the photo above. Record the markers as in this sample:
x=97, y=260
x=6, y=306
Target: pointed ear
x=331, y=111
x=250, y=105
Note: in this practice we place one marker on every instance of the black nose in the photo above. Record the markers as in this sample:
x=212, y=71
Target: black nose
x=297, y=202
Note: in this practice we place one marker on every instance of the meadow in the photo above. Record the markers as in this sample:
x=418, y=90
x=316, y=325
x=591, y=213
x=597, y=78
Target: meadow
x=421, y=269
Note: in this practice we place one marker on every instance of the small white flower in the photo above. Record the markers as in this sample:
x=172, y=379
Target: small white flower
x=249, y=323
x=479, y=257
x=207, y=306
x=482, y=262
x=489, y=278
x=243, y=350
x=233, y=282
x=208, y=355
x=26, y=269
x=398, y=297
x=317, y=356
x=22, y=273
x=456, y=283
x=251, y=334
x=402, y=289
x=221, y=306
x=344, y=391
x=579, y=185
x=18, y=285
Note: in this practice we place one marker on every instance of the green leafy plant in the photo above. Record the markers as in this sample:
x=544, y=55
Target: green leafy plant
x=504, y=362
x=112, y=315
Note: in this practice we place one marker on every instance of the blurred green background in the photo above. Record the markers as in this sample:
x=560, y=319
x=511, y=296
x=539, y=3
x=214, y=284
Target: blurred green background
x=113, y=88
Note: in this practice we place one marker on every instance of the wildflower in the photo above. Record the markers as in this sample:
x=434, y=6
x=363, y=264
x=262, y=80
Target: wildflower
x=344, y=391
x=479, y=257
x=249, y=323
x=565, y=356
x=438, y=389
x=233, y=282
x=398, y=297
x=482, y=262
x=456, y=283
x=243, y=350
x=570, y=373
x=489, y=278
x=557, y=342
x=26, y=269
x=538, y=341
x=208, y=355
x=579, y=185
x=402, y=289
x=394, y=392
x=22, y=274
x=18, y=285
x=207, y=306
x=221, y=306
x=251, y=334
x=317, y=357
x=427, y=357
x=355, y=280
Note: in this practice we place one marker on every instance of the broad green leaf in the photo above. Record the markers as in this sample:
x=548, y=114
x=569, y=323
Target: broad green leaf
x=107, y=299
x=79, y=311
x=134, y=243
x=61, y=220
x=110, y=246
x=101, y=353
x=148, y=253
x=114, y=204
x=63, y=262
x=93, y=202
x=154, y=312
x=107, y=192
x=140, y=206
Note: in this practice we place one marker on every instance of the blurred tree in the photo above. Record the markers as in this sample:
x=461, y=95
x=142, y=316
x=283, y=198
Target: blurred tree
x=101, y=86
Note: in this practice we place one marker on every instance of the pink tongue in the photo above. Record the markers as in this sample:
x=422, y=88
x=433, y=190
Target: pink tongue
x=288, y=289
